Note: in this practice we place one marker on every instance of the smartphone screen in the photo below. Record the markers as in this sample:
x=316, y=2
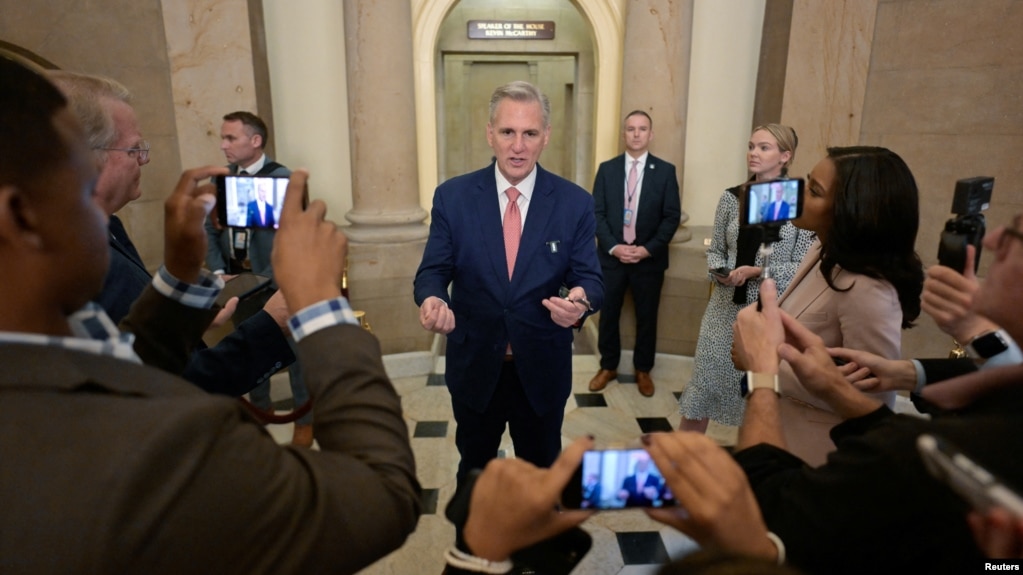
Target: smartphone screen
x=617, y=479
x=774, y=201
x=971, y=481
x=250, y=201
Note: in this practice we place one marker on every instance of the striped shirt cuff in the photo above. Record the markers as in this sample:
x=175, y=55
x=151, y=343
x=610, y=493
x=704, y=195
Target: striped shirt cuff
x=321, y=315
x=201, y=295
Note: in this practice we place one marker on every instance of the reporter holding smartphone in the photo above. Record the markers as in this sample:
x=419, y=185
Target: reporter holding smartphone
x=860, y=283
x=734, y=266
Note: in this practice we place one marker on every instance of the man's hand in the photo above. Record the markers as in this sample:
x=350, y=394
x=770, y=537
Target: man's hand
x=277, y=307
x=873, y=373
x=514, y=504
x=309, y=251
x=436, y=316
x=948, y=298
x=717, y=507
x=630, y=254
x=998, y=534
x=817, y=372
x=184, y=235
x=567, y=311
x=759, y=333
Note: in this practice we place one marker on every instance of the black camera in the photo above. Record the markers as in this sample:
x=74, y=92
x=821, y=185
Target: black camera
x=972, y=196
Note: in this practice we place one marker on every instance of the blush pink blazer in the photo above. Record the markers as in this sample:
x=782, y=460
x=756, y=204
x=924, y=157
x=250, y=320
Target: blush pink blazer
x=867, y=317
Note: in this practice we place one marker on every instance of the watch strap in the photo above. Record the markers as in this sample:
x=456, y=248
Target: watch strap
x=755, y=380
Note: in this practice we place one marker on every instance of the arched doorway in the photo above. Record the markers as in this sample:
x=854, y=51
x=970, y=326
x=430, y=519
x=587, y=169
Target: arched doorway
x=605, y=20
x=26, y=57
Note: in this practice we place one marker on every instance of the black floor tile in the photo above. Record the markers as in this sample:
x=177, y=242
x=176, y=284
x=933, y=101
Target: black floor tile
x=677, y=394
x=642, y=548
x=626, y=378
x=590, y=400
x=431, y=429
x=429, y=500
x=435, y=379
x=654, y=424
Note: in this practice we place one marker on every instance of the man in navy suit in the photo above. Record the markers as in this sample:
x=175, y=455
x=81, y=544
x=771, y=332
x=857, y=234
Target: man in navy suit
x=509, y=348
x=260, y=211
x=644, y=487
x=638, y=210
x=779, y=208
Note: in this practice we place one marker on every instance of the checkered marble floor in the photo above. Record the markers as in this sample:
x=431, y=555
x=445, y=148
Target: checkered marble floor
x=624, y=542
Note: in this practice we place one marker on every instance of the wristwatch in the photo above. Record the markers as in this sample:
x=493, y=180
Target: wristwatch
x=987, y=345
x=754, y=380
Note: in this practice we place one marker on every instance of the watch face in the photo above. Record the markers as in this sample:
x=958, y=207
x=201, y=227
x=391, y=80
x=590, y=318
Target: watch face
x=744, y=389
x=989, y=345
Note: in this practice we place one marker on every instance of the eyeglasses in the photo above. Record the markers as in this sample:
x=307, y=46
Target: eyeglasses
x=140, y=152
x=1010, y=232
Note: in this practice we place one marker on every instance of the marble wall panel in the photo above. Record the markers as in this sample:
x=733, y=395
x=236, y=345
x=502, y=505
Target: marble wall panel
x=826, y=75
x=210, y=51
x=122, y=39
x=655, y=75
x=944, y=92
x=939, y=160
x=935, y=34
x=966, y=101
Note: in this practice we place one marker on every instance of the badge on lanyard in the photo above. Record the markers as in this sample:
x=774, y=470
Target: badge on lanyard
x=627, y=220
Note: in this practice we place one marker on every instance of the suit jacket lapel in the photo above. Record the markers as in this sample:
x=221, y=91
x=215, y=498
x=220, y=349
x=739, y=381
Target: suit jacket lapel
x=797, y=305
x=650, y=192
x=490, y=221
x=541, y=206
x=120, y=241
x=616, y=195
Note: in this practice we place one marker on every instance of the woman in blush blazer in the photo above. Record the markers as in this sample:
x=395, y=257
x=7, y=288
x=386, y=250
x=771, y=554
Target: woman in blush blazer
x=859, y=284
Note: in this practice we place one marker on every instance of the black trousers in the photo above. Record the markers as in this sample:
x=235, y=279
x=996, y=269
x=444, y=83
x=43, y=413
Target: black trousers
x=646, y=294
x=536, y=438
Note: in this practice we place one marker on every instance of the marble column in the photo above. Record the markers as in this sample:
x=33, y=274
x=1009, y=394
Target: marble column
x=382, y=123
x=388, y=233
x=658, y=38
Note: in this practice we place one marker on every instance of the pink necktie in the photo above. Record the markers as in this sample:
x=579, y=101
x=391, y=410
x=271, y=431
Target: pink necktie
x=629, y=231
x=512, y=228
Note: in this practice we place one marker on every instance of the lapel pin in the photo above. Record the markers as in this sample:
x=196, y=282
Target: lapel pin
x=553, y=246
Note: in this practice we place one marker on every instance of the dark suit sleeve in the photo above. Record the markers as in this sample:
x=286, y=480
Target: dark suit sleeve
x=251, y=215
x=245, y=358
x=166, y=332
x=437, y=266
x=936, y=370
x=606, y=237
x=584, y=268
x=671, y=213
x=125, y=280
